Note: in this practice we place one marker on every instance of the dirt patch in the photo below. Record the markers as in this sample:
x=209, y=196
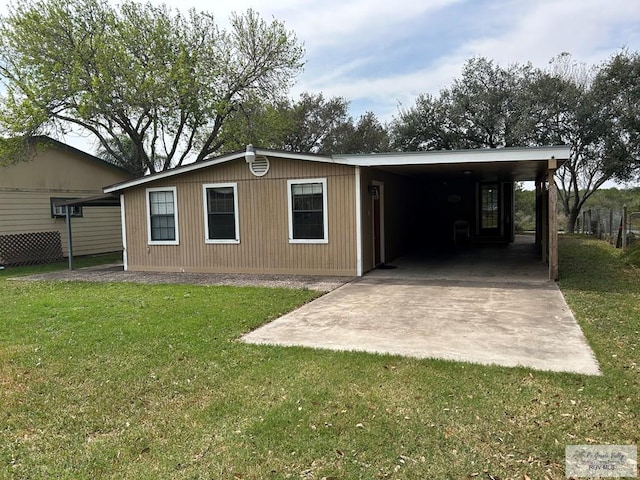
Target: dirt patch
x=116, y=274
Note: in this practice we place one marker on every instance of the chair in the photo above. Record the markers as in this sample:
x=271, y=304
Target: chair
x=461, y=229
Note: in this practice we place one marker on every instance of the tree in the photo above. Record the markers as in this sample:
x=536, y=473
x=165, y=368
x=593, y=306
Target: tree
x=316, y=123
x=481, y=109
x=124, y=157
x=312, y=124
x=525, y=209
x=263, y=124
x=425, y=126
x=591, y=110
x=367, y=135
x=164, y=81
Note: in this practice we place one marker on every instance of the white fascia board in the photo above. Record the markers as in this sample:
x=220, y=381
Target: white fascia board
x=440, y=157
x=170, y=173
x=312, y=157
x=214, y=161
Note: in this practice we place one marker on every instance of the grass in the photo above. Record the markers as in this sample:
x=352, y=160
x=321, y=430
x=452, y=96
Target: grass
x=632, y=254
x=142, y=382
x=79, y=262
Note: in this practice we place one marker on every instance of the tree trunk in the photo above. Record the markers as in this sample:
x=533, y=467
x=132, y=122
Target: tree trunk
x=572, y=218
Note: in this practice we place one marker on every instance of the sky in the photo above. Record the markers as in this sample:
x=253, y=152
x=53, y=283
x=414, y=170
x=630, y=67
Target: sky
x=381, y=54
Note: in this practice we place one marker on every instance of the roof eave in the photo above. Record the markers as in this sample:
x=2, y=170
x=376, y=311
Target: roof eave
x=439, y=157
x=442, y=157
x=214, y=161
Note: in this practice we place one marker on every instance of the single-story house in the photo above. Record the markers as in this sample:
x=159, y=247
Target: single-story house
x=265, y=211
x=32, y=218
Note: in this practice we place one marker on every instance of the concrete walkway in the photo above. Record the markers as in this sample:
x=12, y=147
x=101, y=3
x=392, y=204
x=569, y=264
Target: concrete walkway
x=491, y=305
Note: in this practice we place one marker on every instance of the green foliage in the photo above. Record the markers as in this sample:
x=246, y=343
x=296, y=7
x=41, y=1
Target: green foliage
x=631, y=254
x=525, y=209
x=615, y=198
x=312, y=124
x=163, y=80
x=15, y=149
x=122, y=152
x=484, y=108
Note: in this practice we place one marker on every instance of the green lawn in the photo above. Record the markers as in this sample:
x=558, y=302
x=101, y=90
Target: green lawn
x=134, y=381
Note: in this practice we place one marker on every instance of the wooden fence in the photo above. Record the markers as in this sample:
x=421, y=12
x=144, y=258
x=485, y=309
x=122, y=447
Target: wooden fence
x=620, y=227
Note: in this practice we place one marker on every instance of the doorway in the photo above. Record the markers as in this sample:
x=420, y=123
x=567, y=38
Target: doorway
x=489, y=213
x=377, y=211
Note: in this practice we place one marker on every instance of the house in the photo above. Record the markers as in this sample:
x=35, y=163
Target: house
x=32, y=220
x=265, y=211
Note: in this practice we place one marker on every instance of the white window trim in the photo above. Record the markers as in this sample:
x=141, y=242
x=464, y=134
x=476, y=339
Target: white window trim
x=175, y=213
x=208, y=240
x=325, y=213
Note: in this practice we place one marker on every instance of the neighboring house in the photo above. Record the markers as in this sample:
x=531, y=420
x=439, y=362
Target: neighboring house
x=279, y=212
x=32, y=223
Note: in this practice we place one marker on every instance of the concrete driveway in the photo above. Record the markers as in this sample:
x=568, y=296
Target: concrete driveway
x=489, y=305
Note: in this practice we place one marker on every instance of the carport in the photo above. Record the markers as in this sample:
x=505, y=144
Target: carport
x=436, y=200
x=106, y=200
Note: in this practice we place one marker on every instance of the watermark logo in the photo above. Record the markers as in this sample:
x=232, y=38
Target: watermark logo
x=601, y=461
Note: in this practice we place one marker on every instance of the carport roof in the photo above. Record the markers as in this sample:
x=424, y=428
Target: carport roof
x=106, y=200
x=524, y=163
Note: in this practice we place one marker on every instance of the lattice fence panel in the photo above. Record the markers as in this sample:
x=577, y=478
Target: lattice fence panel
x=30, y=248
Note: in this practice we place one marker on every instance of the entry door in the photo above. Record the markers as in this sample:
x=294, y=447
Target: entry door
x=489, y=209
x=378, y=223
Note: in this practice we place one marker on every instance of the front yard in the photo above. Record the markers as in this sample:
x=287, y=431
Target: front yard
x=137, y=381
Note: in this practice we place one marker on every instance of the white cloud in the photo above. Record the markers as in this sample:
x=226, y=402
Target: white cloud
x=538, y=31
x=511, y=32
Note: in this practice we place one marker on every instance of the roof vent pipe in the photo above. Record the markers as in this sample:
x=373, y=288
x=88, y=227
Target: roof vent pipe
x=250, y=154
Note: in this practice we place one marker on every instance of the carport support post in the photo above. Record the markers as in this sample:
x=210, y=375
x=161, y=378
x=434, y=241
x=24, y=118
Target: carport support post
x=539, y=220
x=553, y=221
x=67, y=214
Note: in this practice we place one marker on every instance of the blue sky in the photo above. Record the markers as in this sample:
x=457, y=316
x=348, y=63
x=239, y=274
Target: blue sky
x=381, y=54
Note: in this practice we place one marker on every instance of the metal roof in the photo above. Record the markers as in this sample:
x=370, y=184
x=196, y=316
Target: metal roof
x=105, y=200
x=525, y=162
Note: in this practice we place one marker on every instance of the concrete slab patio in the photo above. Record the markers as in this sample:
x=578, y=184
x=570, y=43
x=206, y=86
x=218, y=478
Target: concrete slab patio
x=490, y=305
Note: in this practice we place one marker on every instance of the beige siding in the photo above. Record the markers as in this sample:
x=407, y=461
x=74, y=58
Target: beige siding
x=26, y=189
x=263, y=223
x=97, y=231
x=56, y=170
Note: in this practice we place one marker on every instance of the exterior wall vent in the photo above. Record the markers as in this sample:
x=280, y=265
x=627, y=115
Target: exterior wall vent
x=260, y=166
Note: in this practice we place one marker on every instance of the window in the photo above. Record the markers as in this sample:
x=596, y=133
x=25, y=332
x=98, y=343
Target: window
x=489, y=201
x=308, y=211
x=59, y=211
x=162, y=216
x=221, y=213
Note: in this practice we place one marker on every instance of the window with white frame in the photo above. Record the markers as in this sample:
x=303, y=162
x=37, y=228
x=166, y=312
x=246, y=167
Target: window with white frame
x=221, y=213
x=162, y=216
x=308, y=210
